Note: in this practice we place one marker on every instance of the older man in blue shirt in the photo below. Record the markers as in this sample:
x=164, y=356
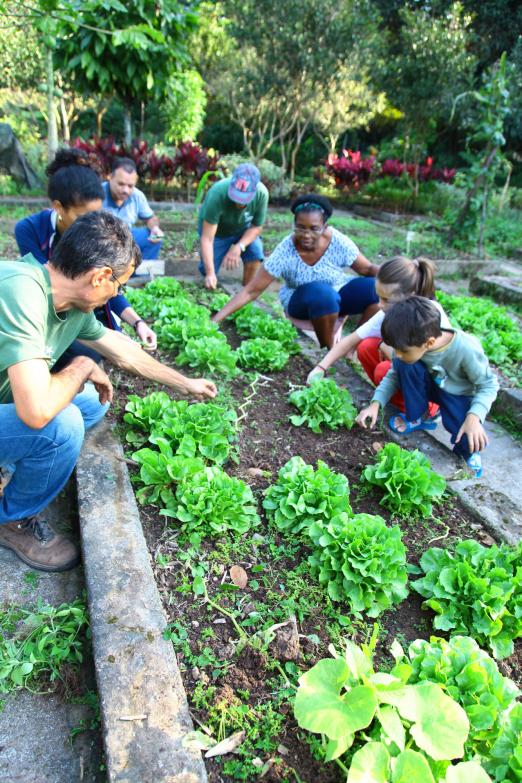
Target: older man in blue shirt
x=130, y=204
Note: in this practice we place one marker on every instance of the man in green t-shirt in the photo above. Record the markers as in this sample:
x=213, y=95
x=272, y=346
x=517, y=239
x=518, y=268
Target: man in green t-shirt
x=230, y=223
x=43, y=415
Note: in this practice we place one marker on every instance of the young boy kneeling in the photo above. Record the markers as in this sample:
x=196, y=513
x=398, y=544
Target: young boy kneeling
x=431, y=364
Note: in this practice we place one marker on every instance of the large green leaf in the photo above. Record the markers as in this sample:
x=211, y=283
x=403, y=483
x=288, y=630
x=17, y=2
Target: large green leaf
x=467, y=772
x=412, y=767
x=441, y=725
x=319, y=707
x=392, y=725
x=371, y=764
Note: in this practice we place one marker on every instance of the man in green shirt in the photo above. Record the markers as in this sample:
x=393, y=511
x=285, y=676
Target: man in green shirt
x=230, y=223
x=44, y=415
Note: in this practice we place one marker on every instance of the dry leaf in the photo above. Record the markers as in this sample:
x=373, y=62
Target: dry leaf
x=228, y=745
x=239, y=576
x=377, y=446
x=283, y=750
x=254, y=472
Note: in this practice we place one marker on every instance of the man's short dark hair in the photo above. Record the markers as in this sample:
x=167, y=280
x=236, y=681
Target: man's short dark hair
x=410, y=323
x=95, y=240
x=127, y=164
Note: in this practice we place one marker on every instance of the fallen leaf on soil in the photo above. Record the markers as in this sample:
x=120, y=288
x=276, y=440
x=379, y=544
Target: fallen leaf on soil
x=227, y=745
x=377, y=446
x=268, y=765
x=283, y=750
x=255, y=472
x=239, y=576
x=196, y=740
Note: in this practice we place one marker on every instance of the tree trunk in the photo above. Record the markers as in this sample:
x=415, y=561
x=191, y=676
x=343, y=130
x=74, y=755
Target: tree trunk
x=52, y=129
x=66, y=131
x=142, y=119
x=483, y=216
x=99, y=119
x=127, y=127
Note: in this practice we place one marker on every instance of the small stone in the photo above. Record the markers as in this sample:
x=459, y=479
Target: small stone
x=195, y=673
x=254, y=472
x=257, y=762
x=283, y=750
x=220, y=621
x=195, y=624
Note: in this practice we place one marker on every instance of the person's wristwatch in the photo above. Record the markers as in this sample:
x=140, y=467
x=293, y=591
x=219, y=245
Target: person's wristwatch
x=242, y=247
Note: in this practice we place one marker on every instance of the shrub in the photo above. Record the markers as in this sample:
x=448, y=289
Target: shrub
x=361, y=561
x=409, y=483
x=350, y=170
x=476, y=591
x=323, y=403
x=302, y=495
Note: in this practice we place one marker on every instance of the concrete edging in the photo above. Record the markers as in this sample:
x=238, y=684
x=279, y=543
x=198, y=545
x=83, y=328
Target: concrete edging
x=143, y=704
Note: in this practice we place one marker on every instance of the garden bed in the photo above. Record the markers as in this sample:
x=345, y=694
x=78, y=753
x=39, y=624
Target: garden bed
x=239, y=673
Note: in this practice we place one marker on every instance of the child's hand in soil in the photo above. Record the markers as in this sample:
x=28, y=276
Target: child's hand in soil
x=370, y=412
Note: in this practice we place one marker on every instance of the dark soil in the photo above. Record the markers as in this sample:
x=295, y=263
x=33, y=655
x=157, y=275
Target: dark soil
x=253, y=677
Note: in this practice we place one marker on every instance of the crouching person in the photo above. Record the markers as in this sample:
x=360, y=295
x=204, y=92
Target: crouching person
x=433, y=365
x=44, y=415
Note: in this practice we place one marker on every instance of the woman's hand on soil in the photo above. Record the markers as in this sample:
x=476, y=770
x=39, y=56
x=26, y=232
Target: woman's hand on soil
x=477, y=438
x=101, y=383
x=200, y=388
x=370, y=412
x=147, y=336
x=315, y=375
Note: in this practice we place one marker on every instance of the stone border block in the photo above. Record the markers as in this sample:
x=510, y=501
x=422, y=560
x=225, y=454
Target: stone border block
x=143, y=704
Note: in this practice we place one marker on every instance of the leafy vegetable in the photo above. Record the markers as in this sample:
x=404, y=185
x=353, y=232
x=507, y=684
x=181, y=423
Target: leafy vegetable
x=302, y=495
x=499, y=334
x=505, y=763
x=360, y=560
x=251, y=321
x=262, y=354
x=475, y=591
x=176, y=332
x=323, y=403
x=211, y=503
x=144, y=413
x=209, y=354
x=471, y=677
x=414, y=728
x=161, y=470
x=406, y=476
x=202, y=429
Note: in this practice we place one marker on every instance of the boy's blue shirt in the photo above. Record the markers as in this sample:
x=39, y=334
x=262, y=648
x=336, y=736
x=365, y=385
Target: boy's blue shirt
x=460, y=368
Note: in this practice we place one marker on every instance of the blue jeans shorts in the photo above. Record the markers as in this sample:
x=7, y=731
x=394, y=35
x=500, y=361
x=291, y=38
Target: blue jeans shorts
x=254, y=251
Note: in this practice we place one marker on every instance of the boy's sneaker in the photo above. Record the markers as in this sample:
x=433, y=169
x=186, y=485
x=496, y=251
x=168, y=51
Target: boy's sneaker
x=38, y=545
x=475, y=463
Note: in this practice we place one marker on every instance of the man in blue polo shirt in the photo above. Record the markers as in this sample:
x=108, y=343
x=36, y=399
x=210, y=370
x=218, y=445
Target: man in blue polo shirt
x=130, y=204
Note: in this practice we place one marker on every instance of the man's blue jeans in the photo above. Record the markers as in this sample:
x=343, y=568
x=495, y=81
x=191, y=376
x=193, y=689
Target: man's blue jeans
x=43, y=459
x=149, y=250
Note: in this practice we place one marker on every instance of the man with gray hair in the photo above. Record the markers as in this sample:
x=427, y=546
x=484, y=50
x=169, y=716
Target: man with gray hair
x=44, y=415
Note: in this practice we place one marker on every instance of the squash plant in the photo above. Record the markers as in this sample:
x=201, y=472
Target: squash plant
x=402, y=732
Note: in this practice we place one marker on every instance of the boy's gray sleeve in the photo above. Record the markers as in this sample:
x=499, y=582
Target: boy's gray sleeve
x=387, y=388
x=477, y=369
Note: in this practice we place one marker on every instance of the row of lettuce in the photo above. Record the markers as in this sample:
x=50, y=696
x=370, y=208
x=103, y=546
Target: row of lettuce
x=444, y=701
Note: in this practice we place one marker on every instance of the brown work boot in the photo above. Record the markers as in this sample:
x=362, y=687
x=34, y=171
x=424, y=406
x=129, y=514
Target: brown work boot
x=38, y=545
